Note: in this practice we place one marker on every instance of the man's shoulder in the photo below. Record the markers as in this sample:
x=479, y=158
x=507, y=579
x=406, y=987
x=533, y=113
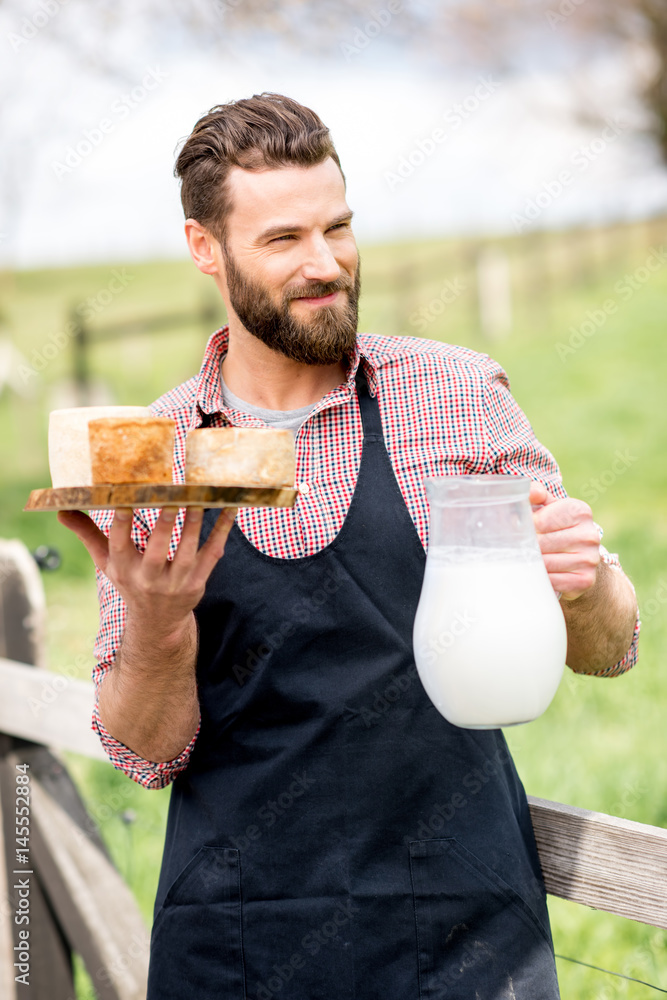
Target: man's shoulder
x=414, y=355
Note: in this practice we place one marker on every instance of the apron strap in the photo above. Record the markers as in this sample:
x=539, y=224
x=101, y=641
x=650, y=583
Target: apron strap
x=369, y=407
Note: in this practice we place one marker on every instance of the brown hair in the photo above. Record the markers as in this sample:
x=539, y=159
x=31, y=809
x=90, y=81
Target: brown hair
x=266, y=130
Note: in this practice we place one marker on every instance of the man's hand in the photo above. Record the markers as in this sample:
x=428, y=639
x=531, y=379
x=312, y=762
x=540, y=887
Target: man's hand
x=148, y=700
x=151, y=585
x=569, y=541
x=598, y=602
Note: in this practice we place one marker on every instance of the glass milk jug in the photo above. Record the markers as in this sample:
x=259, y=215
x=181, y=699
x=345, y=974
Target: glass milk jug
x=489, y=635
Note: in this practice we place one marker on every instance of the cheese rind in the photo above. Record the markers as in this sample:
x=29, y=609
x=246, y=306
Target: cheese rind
x=240, y=456
x=69, y=452
x=132, y=449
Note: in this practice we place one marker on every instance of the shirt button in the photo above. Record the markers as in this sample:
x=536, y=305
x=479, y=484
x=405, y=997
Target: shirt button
x=304, y=488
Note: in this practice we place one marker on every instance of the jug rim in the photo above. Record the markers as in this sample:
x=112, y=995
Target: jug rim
x=483, y=489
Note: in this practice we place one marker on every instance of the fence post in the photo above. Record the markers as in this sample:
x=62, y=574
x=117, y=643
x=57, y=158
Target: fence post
x=22, y=612
x=81, y=375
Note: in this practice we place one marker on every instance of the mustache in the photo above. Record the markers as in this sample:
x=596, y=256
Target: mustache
x=318, y=289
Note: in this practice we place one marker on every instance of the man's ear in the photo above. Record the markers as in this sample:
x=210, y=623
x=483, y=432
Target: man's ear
x=204, y=248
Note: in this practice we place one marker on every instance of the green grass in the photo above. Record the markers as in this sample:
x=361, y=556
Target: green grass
x=602, y=744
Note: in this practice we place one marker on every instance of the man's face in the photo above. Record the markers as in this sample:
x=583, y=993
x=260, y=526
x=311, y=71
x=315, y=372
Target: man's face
x=291, y=262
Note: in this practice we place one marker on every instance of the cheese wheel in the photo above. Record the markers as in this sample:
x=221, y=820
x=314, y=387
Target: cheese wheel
x=240, y=456
x=69, y=454
x=131, y=449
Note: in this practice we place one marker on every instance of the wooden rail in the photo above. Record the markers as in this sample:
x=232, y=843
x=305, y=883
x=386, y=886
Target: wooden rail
x=601, y=861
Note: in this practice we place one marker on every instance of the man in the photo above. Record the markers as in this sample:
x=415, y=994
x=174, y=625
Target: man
x=246, y=667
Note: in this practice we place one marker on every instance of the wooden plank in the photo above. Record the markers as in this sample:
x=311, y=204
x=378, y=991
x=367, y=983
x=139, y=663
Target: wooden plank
x=139, y=495
x=49, y=965
x=47, y=708
x=91, y=901
x=602, y=861
x=22, y=605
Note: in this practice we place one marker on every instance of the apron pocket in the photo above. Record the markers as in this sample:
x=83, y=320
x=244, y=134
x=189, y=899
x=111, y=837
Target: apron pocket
x=196, y=944
x=476, y=936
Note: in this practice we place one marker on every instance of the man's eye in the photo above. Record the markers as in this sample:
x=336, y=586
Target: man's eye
x=278, y=239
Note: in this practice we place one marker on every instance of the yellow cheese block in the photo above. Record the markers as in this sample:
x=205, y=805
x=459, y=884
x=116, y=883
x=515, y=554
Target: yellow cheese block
x=131, y=449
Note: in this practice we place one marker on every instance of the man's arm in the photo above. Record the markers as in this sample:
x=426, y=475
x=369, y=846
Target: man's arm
x=598, y=601
x=148, y=700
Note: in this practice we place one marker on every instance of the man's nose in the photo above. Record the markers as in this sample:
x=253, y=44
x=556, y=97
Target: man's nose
x=319, y=263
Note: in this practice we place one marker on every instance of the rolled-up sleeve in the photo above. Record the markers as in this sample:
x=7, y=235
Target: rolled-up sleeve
x=150, y=774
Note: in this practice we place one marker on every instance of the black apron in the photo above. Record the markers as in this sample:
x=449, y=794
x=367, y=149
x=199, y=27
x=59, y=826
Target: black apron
x=333, y=836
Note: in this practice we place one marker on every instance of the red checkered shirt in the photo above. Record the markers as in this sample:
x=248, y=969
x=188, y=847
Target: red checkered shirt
x=445, y=410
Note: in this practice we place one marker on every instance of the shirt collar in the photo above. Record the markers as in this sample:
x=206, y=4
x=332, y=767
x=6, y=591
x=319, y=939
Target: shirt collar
x=209, y=400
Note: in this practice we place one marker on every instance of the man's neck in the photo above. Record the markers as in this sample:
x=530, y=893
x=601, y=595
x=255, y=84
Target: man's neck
x=266, y=378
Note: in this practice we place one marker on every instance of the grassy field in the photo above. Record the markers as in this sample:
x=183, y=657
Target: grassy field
x=593, y=381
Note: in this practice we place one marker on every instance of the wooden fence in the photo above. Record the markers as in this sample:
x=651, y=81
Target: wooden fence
x=85, y=337
x=78, y=901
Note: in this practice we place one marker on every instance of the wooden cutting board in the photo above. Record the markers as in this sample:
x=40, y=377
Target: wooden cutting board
x=158, y=495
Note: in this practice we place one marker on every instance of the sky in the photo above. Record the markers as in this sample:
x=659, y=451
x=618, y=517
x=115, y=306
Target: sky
x=426, y=152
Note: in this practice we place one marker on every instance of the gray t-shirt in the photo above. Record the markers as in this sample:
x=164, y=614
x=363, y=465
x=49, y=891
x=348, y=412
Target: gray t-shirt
x=289, y=420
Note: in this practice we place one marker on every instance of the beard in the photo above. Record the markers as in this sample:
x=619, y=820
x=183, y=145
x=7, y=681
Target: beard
x=325, y=339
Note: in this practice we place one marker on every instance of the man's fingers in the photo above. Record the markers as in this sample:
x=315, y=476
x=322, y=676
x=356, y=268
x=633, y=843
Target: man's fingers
x=87, y=532
x=157, y=546
x=580, y=561
x=562, y=515
x=189, y=543
x=539, y=495
x=580, y=538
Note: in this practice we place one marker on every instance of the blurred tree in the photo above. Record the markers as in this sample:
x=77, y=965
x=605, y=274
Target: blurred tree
x=501, y=32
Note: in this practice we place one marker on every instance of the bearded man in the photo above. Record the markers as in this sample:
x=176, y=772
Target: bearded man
x=239, y=654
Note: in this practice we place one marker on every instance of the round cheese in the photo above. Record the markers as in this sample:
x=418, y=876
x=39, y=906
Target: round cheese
x=240, y=456
x=131, y=449
x=69, y=454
